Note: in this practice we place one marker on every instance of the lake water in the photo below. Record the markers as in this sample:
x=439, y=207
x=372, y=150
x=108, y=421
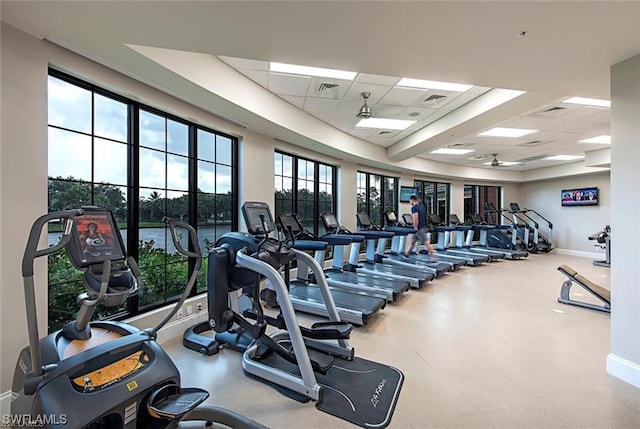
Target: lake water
x=160, y=236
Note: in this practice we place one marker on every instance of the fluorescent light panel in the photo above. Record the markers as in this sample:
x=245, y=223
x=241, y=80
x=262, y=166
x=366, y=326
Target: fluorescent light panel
x=603, y=139
x=432, y=84
x=311, y=71
x=507, y=132
x=387, y=124
x=564, y=158
x=451, y=151
x=589, y=101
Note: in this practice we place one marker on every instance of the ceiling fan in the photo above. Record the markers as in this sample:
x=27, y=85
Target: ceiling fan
x=495, y=162
x=365, y=110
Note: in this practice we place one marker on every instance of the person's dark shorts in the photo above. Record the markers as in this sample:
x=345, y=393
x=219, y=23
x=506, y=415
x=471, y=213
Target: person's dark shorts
x=421, y=234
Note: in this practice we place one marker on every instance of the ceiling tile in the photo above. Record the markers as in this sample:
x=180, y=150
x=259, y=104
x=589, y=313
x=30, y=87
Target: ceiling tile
x=323, y=108
x=295, y=100
x=284, y=84
x=260, y=77
x=376, y=79
x=403, y=96
x=377, y=92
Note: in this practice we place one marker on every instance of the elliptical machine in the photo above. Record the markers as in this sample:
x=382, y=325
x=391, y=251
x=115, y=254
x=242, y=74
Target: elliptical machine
x=104, y=373
x=315, y=363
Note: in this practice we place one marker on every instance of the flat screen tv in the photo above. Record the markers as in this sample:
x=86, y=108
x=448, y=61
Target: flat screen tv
x=406, y=192
x=579, y=197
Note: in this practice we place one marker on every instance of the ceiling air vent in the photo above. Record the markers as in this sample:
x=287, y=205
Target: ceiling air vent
x=381, y=133
x=327, y=89
x=434, y=99
x=534, y=143
x=552, y=111
x=479, y=157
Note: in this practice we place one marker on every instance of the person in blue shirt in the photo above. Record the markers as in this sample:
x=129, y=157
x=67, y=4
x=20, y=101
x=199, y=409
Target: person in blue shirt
x=419, y=215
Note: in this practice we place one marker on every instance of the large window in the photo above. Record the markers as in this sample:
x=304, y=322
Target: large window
x=142, y=164
x=305, y=187
x=376, y=194
x=435, y=196
x=475, y=197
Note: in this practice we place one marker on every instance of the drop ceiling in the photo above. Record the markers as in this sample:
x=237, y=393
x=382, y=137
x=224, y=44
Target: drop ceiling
x=568, y=51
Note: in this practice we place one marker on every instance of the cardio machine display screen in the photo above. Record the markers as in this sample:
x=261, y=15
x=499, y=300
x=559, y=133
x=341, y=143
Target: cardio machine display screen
x=289, y=222
x=98, y=238
x=255, y=216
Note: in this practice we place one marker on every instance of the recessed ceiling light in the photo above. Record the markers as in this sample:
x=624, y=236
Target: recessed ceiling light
x=432, y=84
x=564, y=158
x=451, y=151
x=589, y=101
x=311, y=71
x=506, y=132
x=603, y=139
x=503, y=163
x=389, y=124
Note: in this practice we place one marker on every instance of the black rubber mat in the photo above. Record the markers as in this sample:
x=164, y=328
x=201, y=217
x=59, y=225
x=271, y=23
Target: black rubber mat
x=360, y=391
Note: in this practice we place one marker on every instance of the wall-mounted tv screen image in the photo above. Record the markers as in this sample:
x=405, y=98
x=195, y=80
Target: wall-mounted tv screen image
x=580, y=197
x=406, y=192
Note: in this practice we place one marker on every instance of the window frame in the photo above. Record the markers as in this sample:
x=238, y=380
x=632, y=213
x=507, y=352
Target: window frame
x=384, y=204
x=294, y=201
x=133, y=307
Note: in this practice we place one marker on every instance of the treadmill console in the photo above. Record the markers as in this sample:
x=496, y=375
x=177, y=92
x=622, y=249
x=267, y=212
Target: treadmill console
x=257, y=217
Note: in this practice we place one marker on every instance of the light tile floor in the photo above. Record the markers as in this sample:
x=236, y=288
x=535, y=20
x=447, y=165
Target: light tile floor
x=480, y=348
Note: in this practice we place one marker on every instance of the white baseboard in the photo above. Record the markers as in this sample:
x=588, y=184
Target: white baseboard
x=579, y=253
x=5, y=402
x=175, y=329
x=623, y=369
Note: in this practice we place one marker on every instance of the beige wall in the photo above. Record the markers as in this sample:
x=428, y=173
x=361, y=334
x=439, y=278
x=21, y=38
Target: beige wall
x=571, y=225
x=23, y=168
x=624, y=359
x=23, y=184
x=23, y=176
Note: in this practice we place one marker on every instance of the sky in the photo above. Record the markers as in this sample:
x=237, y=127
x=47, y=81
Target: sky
x=70, y=152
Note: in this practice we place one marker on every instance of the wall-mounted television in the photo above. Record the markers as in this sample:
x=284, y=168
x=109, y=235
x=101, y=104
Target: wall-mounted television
x=579, y=197
x=406, y=192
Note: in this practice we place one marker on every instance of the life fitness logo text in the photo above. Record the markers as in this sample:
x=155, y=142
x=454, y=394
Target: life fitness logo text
x=375, y=398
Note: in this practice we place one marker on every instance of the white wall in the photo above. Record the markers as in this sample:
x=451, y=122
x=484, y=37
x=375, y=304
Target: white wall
x=571, y=225
x=23, y=184
x=23, y=177
x=624, y=359
x=23, y=173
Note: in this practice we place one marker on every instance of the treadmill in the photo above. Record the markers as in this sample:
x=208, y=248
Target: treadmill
x=444, y=233
x=350, y=276
x=462, y=233
x=398, y=243
x=337, y=278
x=492, y=237
x=353, y=307
x=373, y=233
x=439, y=256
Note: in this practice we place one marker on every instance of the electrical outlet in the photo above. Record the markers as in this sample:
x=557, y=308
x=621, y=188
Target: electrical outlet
x=189, y=310
x=179, y=314
x=199, y=307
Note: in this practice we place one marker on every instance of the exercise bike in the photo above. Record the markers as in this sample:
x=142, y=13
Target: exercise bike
x=103, y=374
